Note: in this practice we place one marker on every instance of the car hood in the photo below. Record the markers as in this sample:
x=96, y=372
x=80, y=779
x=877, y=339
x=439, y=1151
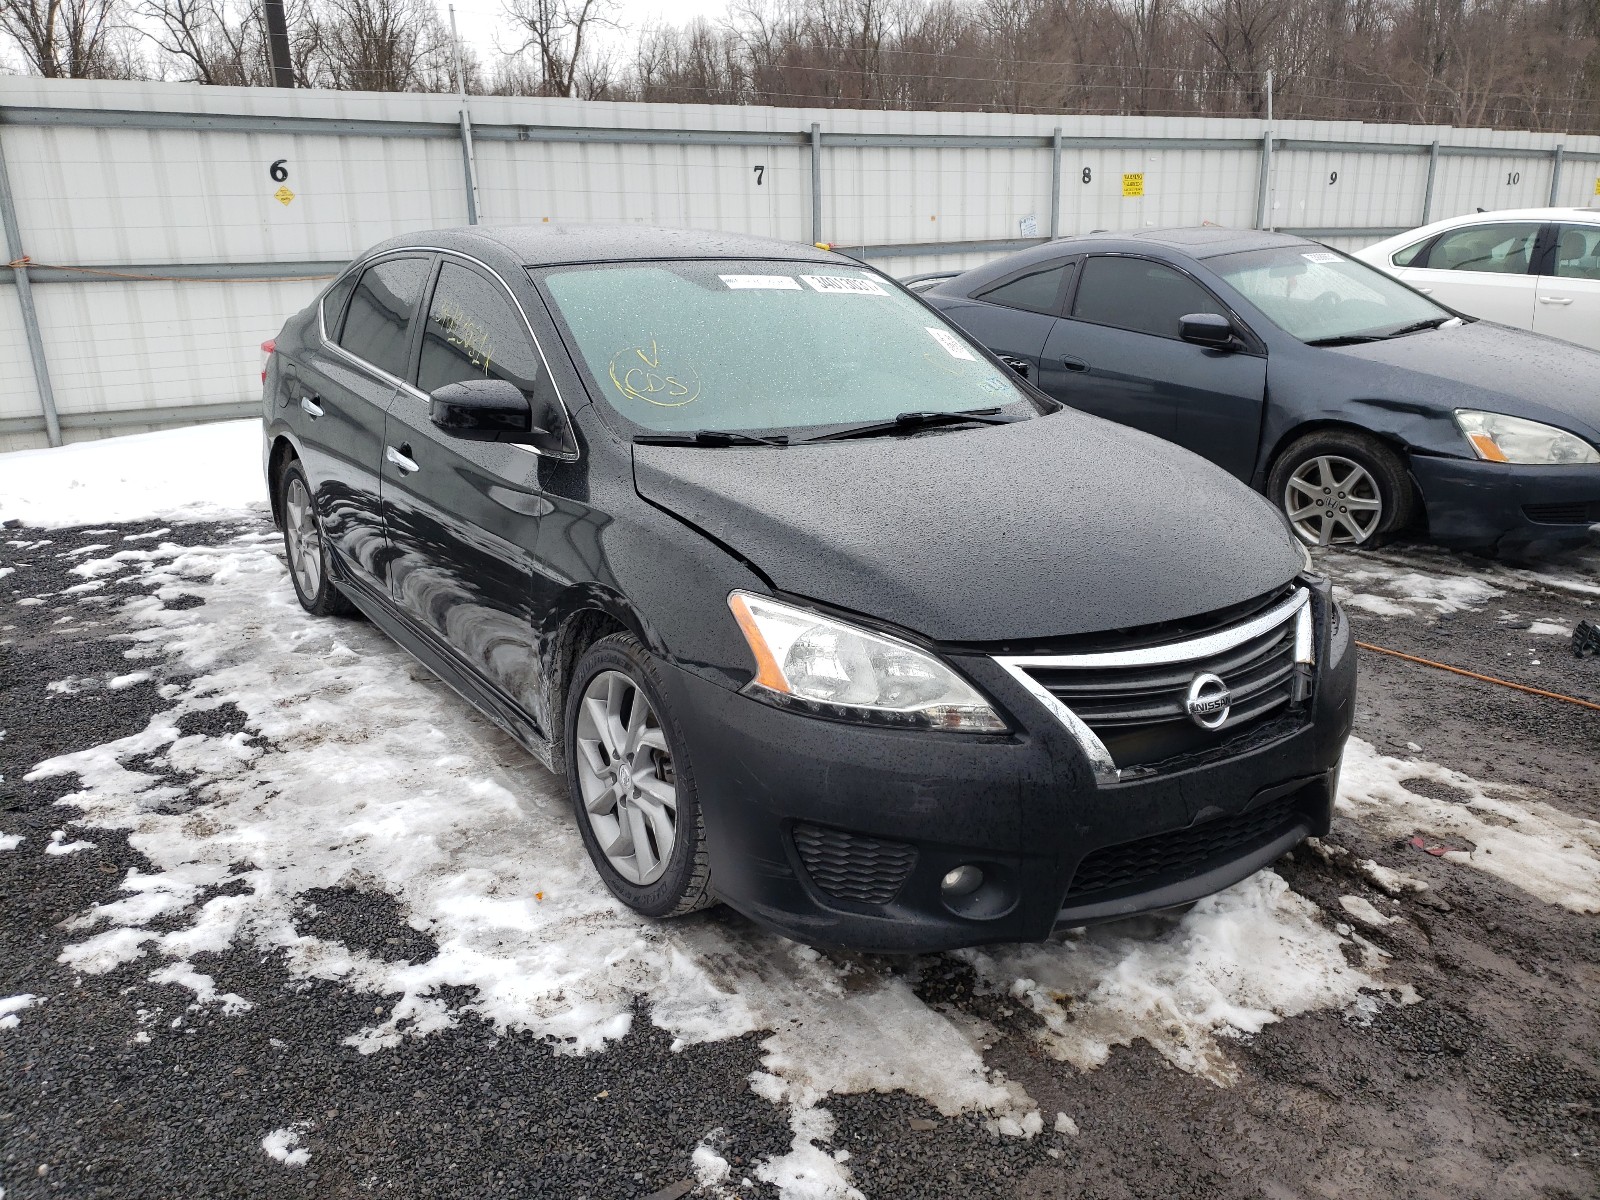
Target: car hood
x=1488, y=366
x=1060, y=525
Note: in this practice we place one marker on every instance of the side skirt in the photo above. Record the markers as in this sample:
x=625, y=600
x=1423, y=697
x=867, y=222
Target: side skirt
x=426, y=650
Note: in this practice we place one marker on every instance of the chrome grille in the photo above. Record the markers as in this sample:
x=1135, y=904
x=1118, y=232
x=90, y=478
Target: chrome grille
x=1128, y=707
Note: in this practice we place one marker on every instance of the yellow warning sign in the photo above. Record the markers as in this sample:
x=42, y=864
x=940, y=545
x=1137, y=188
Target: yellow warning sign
x=1597, y=187
x=283, y=195
x=1133, y=185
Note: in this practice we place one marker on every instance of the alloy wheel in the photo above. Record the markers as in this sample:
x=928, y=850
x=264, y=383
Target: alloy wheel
x=1333, y=501
x=625, y=773
x=303, y=538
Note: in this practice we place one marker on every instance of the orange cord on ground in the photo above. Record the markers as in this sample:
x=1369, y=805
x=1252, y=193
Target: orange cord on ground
x=1532, y=691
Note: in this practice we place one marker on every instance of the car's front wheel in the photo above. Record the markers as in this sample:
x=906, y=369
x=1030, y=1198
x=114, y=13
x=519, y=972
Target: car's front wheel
x=1342, y=488
x=304, y=546
x=632, y=784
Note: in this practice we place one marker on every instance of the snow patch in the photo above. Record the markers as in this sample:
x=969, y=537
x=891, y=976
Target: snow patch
x=1390, y=592
x=1540, y=849
x=202, y=472
x=10, y=1006
x=203, y=986
x=283, y=1145
x=10, y=841
x=1361, y=910
x=60, y=845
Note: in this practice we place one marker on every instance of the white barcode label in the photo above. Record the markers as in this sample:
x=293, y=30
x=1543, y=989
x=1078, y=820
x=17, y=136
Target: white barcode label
x=951, y=343
x=771, y=283
x=849, y=285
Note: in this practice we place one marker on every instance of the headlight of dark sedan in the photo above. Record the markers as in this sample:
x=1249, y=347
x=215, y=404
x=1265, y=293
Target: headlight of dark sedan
x=1496, y=437
x=843, y=670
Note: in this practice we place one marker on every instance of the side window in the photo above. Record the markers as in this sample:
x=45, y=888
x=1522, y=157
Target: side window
x=1034, y=292
x=379, y=317
x=1578, y=252
x=1407, y=257
x=1139, y=295
x=474, y=332
x=1500, y=249
x=333, y=302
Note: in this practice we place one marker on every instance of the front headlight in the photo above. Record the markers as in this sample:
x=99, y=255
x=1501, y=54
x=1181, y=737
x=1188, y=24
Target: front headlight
x=1498, y=438
x=843, y=670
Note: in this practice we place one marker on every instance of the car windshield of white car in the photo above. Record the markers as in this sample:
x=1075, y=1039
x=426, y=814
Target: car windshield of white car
x=1324, y=298
x=763, y=346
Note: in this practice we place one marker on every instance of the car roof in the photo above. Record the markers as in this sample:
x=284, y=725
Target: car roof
x=1586, y=215
x=1197, y=242
x=563, y=242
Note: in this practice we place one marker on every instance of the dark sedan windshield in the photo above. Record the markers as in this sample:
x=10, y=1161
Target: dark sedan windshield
x=679, y=346
x=1319, y=296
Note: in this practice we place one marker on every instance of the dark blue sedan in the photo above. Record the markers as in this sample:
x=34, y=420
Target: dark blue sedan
x=1354, y=402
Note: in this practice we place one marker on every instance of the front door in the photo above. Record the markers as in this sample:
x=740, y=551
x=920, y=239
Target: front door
x=1482, y=270
x=463, y=516
x=343, y=393
x=1118, y=355
x=1567, y=304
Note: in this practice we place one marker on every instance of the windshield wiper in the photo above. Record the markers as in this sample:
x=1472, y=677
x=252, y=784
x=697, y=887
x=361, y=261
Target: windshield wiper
x=709, y=437
x=1417, y=327
x=1347, y=339
x=915, y=420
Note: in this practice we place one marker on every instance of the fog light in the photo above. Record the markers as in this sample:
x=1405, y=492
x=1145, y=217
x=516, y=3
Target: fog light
x=962, y=881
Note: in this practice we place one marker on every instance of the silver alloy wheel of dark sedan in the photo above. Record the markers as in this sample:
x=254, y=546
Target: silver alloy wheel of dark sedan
x=304, y=538
x=625, y=772
x=1333, y=501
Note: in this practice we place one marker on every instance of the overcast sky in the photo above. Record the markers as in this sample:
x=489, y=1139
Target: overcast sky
x=483, y=23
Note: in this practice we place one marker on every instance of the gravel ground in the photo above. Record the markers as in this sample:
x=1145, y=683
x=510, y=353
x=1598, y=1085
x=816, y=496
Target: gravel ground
x=1488, y=1085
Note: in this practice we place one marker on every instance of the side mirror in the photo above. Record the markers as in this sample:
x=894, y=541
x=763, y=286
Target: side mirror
x=495, y=410
x=1207, y=329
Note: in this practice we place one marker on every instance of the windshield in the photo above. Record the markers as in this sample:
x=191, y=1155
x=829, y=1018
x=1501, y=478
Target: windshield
x=1317, y=295
x=682, y=346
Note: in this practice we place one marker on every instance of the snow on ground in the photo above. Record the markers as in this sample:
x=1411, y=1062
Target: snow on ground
x=359, y=770
x=283, y=1145
x=1542, y=850
x=10, y=1006
x=10, y=841
x=1430, y=582
x=204, y=472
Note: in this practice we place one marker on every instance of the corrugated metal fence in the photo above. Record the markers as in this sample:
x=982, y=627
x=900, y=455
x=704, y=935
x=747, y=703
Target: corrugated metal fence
x=168, y=229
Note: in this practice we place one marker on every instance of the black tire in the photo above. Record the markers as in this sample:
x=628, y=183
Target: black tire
x=685, y=883
x=320, y=598
x=1386, y=475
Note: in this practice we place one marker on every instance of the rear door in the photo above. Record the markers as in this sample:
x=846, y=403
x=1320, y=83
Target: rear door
x=1118, y=355
x=1567, y=302
x=1014, y=317
x=1486, y=270
x=463, y=516
x=343, y=390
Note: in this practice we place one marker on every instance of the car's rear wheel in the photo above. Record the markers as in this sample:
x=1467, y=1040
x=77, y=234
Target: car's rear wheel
x=632, y=784
x=1342, y=488
x=306, y=549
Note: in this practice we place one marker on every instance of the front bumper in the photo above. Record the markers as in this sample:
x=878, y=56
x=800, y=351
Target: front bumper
x=1024, y=807
x=1504, y=508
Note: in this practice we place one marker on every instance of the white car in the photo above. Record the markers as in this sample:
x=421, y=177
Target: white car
x=1534, y=268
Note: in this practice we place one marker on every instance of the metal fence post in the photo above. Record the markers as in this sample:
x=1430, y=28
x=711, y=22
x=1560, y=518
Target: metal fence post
x=1055, y=184
x=1262, y=184
x=1433, y=170
x=469, y=162
x=30, y=315
x=1555, y=175
x=816, y=183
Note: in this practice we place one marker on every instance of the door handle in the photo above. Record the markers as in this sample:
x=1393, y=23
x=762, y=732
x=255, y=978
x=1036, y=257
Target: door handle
x=402, y=459
x=1074, y=364
x=309, y=406
x=1555, y=299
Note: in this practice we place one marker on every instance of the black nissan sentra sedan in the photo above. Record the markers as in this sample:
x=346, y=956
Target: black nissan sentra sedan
x=1356, y=403
x=821, y=610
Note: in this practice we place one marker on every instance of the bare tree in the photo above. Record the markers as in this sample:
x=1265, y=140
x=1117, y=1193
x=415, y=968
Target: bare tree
x=555, y=31
x=381, y=46
x=68, y=39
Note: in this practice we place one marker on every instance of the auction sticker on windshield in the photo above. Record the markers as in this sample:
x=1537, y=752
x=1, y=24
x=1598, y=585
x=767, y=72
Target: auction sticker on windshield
x=776, y=283
x=1321, y=256
x=845, y=284
x=951, y=343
